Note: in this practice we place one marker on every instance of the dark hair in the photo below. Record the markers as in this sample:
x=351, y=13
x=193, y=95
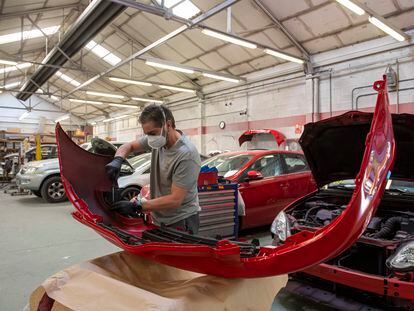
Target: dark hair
x=153, y=113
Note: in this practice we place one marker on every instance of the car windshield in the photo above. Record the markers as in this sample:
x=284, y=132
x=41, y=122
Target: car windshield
x=140, y=161
x=394, y=186
x=228, y=164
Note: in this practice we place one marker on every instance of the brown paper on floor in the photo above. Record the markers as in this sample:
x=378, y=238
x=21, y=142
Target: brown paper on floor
x=122, y=281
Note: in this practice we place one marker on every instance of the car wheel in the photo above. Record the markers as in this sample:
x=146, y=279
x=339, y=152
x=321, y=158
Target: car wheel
x=53, y=191
x=37, y=193
x=129, y=193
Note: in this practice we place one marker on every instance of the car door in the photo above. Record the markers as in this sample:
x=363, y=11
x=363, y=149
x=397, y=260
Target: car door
x=262, y=197
x=297, y=178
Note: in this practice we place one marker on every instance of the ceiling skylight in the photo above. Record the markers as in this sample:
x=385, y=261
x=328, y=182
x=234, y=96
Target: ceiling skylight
x=67, y=79
x=29, y=34
x=103, y=53
x=185, y=9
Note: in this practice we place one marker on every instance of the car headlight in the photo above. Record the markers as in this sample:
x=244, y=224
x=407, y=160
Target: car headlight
x=281, y=227
x=403, y=258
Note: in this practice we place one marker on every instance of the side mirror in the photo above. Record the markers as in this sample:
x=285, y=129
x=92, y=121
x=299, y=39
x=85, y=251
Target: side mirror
x=253, y=175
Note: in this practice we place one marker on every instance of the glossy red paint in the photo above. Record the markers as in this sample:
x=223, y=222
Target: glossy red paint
x=248, y=135
x=85, y=180
x=382, y=286
x=264, y=198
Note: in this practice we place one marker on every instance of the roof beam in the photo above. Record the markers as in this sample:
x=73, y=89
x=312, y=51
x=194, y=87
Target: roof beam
x=277, y=23
x=95, y=17
x=216, y=9
x=119, y=30
x=41, y=10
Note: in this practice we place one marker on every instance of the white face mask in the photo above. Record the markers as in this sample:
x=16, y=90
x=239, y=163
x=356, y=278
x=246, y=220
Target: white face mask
x=157, y=141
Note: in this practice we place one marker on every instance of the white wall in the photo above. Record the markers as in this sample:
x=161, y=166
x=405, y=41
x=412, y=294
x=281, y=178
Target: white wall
x=282, y=102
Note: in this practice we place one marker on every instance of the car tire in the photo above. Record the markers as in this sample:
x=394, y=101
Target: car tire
x=129, y=192
x=52, y=190
x=37, y=193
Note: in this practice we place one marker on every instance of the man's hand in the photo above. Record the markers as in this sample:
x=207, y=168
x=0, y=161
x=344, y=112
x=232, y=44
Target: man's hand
x=127, y=208
x=113, y=168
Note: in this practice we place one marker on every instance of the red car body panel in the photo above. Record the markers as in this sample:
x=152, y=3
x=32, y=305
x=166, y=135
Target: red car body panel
x=375, y=284
x=85, y=180
x=265, y=198
x=248, y=135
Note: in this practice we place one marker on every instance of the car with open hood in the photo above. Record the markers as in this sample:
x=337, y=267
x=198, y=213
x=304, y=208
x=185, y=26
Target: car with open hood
x=381, y=261
x=269, y=179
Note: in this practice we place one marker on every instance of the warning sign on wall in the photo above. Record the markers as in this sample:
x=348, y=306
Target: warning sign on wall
x=298, y=129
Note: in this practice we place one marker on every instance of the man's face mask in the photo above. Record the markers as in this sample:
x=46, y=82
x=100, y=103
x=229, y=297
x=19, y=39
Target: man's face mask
x=157, y=141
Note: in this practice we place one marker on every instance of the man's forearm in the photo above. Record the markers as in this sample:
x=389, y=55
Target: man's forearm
x=124, y=150
x=162, y=203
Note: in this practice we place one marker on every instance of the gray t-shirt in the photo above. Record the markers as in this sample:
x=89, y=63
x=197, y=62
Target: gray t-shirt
x=180, y=165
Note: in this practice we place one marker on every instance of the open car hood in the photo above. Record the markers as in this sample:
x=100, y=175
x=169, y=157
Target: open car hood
x=249, y=134
x=86, y=184
x=103, y=147
x=334, y=147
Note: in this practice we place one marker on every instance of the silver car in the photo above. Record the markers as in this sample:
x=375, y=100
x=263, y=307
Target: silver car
x=42, y=178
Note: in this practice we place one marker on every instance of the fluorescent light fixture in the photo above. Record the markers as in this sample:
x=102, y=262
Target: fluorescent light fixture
x=11, y=85
x=127, y=81
x=124, y=106
x=103, y=53
x=62, y=118
x=148, y=100
x=174, y=88
x=24, y=115
x=284, y=56
x=68, y=79
x=54, y=97
x=185, y=9
x=92, y=123
x=30, y=34
x=115, y=118
x=385, y=28
x=170, y=67
x=352, y=6
x=82, y=101
x=209, y=75
x=14, y=68
x=104, y=94
x=7, y=62
x=230, y=39
x=39, y=91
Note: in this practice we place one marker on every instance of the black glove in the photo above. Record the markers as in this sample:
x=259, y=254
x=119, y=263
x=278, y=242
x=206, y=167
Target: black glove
x=127, y=208
x=114, y=167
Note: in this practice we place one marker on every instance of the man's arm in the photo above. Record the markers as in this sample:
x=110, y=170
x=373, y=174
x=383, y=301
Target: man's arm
x=128, y=148
x=170, y=201
x=113, y=168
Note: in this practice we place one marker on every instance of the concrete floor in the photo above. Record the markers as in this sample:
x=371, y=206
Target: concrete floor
x=39, y=239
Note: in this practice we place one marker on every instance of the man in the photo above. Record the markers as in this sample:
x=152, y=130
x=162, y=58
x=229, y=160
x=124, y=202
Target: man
x=175, y=166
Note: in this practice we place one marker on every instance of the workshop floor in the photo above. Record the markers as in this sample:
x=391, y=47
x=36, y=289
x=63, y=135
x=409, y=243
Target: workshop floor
x=39, y=239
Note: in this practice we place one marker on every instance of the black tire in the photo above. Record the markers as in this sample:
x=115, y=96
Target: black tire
x=129, y=192
x=37, y=193
x=52, y=190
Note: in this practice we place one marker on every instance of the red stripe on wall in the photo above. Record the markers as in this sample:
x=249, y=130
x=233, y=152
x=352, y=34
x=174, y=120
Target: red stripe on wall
x=286, y=121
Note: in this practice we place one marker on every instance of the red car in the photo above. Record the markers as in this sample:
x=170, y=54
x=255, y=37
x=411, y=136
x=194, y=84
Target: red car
x=381, y=262
x=86, y=185
x=269, y=180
